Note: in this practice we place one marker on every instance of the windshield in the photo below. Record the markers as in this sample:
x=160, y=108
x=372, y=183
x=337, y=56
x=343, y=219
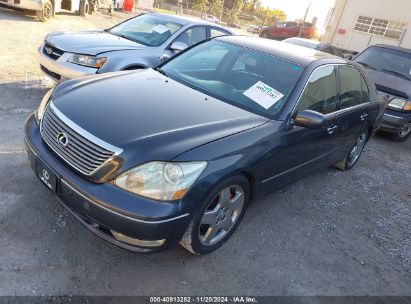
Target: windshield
x=245, y=78
x=150, y=30
x=386, y=60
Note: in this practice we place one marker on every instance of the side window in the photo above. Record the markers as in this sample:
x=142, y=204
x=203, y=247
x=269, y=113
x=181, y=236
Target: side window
x=193, y=35
x=214, y=32
x=352, y=86
x=320, y=95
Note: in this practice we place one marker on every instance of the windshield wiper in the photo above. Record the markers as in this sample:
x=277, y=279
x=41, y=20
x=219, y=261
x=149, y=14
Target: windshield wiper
x=395, y=73
x=366, y=65
x=161, y=71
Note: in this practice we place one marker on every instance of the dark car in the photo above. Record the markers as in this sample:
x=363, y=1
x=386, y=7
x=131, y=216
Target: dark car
x=390, y=68
x=315, y=45
x=283, y=30
x=150, y=158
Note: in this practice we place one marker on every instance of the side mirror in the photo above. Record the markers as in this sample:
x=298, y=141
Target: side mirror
x=309, y=119
x=178, y=46
x=349, y=56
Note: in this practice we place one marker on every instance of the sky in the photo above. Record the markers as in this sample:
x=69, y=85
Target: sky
x=295, y=9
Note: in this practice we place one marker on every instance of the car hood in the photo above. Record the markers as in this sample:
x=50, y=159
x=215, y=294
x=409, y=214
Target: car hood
x=91, y=42
x=149, y=116
x=391, y=84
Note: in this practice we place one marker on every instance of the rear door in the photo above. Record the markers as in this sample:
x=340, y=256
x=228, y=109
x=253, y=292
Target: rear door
x=354, y=106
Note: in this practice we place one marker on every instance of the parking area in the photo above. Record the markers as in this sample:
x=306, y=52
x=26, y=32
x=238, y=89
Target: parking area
x=331, y=233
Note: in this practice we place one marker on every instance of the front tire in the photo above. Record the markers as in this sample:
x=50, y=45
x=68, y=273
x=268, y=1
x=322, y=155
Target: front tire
x=46, y=13
x=403, y=134
x=218, y=217
x=354, y=154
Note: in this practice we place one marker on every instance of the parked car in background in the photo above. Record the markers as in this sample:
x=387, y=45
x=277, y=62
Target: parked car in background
x=255, y=29
x=390, y=68
x=316, y=45
x=283, y=30
x=234, y=25
x=174, y=154
x=140, y=42
x=46, y=9
x=210, y=18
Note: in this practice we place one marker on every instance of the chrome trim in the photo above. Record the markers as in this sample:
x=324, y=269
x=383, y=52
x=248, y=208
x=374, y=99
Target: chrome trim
x=120, y=214
x=88, y=136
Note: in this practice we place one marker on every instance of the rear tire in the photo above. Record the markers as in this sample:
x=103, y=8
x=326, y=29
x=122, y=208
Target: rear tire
x=354, y=154
x=218, y=217
x=46, y=13
x=403, y=134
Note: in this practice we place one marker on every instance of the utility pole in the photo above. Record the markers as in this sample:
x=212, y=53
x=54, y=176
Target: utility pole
x=300, y=32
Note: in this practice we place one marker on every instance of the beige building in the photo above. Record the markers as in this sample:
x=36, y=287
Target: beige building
x=356, y=24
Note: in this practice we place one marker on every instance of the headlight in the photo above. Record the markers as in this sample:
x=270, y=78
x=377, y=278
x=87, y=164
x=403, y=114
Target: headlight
x=400, y=104
x=161, y=180
x=43, y=104
x=89, y=61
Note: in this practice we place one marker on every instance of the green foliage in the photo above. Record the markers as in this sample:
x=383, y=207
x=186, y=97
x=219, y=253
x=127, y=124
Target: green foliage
x=215, y=7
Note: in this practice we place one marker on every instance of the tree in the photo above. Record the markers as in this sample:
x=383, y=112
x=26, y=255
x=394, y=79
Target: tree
x=215, y=7
x=235, y=7
x=200, y=5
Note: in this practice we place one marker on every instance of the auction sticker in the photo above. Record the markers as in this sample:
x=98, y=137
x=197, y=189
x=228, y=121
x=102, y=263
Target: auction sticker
x=263, y=94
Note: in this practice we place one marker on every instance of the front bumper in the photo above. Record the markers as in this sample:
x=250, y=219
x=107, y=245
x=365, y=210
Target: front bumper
x=61, y=69
x=103, y=208
x=33, y=5
x=394, y=121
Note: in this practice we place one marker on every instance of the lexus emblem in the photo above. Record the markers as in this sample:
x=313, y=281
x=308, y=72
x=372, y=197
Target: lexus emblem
x=62, y=139
x=49, y=50
x=46, y=175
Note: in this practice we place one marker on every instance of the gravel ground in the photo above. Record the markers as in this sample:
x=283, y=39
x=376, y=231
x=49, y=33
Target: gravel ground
x=332, y=233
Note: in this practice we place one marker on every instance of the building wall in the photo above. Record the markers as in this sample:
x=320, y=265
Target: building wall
x=345, y=17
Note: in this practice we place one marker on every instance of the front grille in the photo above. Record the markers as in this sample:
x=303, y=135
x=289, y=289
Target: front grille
x=80, y=152
x=52, y=51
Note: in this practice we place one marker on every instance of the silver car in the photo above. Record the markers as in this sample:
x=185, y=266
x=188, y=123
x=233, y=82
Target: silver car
x=140, y=42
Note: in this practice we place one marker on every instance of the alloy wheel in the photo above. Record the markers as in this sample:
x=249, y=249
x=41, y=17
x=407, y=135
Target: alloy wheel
x=221, y=215
x=357, y=149
x=405, y=130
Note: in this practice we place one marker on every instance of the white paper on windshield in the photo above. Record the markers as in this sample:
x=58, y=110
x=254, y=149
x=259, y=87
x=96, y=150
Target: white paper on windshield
x=263, y=94
x=159, y=28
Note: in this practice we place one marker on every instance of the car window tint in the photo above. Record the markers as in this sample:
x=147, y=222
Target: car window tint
x=351, y=88
x=217, y=32
x=320, y=95
x=193, y=35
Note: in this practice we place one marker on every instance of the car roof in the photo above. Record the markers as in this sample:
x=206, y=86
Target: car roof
x=185, y=20
x=393, y=47
x=291, y=52
x=304, y=39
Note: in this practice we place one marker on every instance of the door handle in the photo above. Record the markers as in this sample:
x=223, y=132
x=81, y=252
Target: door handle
x=331, y=130
x=363, y=116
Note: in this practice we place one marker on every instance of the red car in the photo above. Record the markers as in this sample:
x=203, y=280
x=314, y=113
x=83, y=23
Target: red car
x=283, y=30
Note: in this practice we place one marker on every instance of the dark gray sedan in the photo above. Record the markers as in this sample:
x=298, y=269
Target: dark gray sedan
x=140, y=42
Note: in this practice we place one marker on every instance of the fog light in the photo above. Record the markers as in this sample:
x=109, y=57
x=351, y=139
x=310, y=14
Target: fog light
x=136, y=242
